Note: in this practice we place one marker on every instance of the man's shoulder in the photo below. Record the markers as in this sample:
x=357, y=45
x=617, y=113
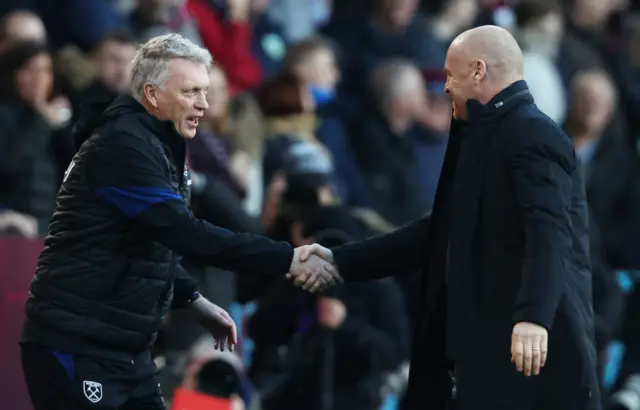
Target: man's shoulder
x=531, y=127
x=125, y=131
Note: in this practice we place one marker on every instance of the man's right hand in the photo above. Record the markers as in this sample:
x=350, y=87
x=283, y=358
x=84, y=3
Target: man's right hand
x=312, y=268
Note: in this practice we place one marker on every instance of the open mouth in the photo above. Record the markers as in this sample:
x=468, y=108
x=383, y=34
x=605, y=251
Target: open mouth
x=193, y=121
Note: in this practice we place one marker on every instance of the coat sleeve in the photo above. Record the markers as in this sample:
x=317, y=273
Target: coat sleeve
x=400, y=251
x=541, y=164
x=129, y=175
x=184, y=286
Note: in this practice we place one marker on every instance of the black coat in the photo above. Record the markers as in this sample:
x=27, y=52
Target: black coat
x=507, y=241
x=111, y=262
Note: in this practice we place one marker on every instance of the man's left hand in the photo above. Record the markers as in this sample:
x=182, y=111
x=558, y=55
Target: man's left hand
x=529, y=347
x=217, y=321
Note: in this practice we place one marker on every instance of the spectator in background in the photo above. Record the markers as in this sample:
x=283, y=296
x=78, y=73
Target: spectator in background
x=212, y=152
x=301, y=19
x=31, y=118
x=21, y=25
x=152, y=18
x=313, y=61
x=539, y=34
x=290, y=123
x=83, y=23
x=226, y=30
x=112, y=57
x=393, y=29
x=448, y=19
x=613, y=190
x=401, y=184
x=269, y=38
x=334, y=351
x=220, y=179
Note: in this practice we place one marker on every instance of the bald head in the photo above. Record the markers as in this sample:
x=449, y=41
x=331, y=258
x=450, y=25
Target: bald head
x=496, y=47
x=481, y=62
x=22, y=26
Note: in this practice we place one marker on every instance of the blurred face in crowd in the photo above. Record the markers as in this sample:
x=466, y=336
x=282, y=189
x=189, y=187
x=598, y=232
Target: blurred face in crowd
x=399, y=12
x=592, y=102
x=183, y=96
x=462, y=80
x=258, y=6
x=24, y=26
x=34, y=80
x=412, y=94
x=113, y=59
x=462, y=12
x=218, y=95
x=321, y=69
x=594, y=13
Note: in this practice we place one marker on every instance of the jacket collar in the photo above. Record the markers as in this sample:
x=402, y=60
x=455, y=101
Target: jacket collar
x=515, y=94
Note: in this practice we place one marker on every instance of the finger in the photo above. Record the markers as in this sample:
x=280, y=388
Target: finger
x=327, y=277
x=313, y=278
x=334, y=273
x=216, y=344
x=305, y=252
x=234, y=336
x=528, y=356
x=318, y=286
x=518, y=352
x=543, y=351
x=300, y=280
x=535, y=364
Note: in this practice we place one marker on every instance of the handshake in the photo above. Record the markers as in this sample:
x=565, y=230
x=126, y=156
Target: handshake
x=313, y=268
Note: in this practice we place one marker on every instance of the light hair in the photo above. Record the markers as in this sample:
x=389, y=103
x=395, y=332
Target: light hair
x=151, y=62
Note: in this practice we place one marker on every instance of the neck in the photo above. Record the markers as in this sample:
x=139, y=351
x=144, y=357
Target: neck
x=497, y=88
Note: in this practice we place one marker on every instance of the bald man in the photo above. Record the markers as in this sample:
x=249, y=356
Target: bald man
x=21, y=26
x=506, y=308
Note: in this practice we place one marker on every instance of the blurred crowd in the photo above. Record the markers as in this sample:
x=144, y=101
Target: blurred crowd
x=327, y=123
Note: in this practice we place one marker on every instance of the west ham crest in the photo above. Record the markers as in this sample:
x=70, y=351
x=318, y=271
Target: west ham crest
x=92, y=391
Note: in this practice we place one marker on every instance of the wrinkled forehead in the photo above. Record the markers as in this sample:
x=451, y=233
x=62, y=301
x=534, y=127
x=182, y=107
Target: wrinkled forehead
x=185, y=73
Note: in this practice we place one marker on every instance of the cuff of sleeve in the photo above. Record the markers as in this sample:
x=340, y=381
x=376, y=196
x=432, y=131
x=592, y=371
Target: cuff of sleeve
x=286, y=258
x=183, y=290
x=534, y=314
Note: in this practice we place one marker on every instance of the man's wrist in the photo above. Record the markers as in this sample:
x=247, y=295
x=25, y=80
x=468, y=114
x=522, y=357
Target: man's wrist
x=194, y=296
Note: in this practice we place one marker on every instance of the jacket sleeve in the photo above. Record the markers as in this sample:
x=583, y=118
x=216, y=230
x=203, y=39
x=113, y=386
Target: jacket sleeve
x=184, y=286
x=541, y=164
x=134, y=178
x=400, y=251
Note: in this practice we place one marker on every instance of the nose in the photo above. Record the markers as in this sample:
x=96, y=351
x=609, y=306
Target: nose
x=201, y=102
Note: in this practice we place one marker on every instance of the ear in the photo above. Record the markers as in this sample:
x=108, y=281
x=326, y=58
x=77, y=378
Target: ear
x=479, y=70
x=149, y=92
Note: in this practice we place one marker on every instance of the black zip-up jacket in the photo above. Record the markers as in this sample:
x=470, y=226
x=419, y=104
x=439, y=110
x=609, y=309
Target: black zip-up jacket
x=111, y=262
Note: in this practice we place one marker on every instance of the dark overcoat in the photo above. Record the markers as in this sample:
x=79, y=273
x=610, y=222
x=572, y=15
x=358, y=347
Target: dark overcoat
x=507, y=241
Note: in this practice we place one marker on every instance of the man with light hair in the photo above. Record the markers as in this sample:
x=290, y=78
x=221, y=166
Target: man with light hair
x=110, y=269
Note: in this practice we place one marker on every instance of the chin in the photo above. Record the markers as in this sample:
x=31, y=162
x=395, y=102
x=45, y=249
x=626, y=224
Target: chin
x=188, y=134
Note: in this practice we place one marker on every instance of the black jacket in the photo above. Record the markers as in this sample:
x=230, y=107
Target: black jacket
x=111, y=262
x=507, y=241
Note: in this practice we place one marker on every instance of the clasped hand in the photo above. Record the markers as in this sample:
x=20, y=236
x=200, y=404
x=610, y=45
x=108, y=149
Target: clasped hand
x=313, y=268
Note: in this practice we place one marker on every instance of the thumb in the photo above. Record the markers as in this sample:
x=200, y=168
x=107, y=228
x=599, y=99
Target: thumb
x=306, y=251
x=315, y=249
